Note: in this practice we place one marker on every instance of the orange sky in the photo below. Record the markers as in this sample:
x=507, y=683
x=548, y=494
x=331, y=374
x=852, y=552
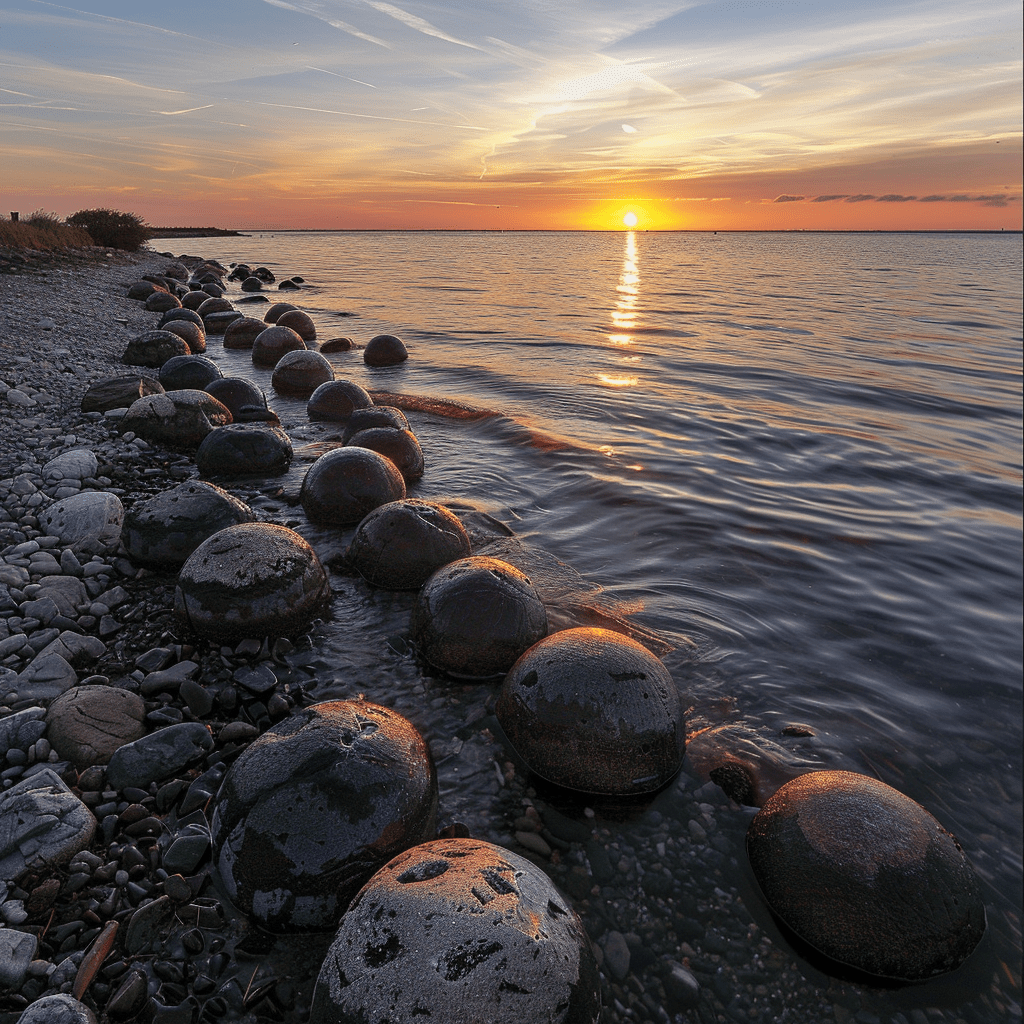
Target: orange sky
x=365, y=114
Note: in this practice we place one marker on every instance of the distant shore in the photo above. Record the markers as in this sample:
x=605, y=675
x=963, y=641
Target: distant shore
x=193, y=232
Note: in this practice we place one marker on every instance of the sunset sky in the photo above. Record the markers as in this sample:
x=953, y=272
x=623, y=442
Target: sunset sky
x=515, y=114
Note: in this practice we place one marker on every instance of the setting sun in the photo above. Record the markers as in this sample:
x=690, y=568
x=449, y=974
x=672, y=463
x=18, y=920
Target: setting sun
x=630, y=220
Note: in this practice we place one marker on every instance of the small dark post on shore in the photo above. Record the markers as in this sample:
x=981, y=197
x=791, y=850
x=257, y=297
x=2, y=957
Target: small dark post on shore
x=14, y=216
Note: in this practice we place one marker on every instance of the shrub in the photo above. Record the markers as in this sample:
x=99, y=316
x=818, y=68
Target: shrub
x=44, y=231
x=112, y=229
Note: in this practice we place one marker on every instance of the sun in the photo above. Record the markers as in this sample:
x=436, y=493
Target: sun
x=630, y=220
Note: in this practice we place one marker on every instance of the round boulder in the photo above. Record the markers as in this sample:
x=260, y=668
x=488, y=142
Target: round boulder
x=385, y=350
x=375, y=416
x=400, y=446
x=241, y=333
x=459, y=930
x=164, y=530
x=299, y=322
x=184, y=373
x=337, y=400
x=301, y=373
x=154, y=348
x=866, y=876
x=160, y=301
x=345, y=484
x=398, y=545
x=89, y=521
x=251, y=580
x=86, y=724
x=119, y=392
x=180, y=314
x=272, y=343
x=142, y=290
x=251, y=284
x=276, y=310
x=218, y=323
x=476, y=616
x=193, y=335
x=594, y=711
x=213, y=304
x=337, y=345
x=178, y=419
x=237, y=393
x=244, y=449
x=315, y=805
x=194, y=299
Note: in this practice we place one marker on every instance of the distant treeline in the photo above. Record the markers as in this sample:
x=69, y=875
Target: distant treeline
x=190, y=232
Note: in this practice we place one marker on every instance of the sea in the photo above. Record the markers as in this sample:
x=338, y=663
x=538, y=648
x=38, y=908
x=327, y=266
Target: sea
x=794, y=459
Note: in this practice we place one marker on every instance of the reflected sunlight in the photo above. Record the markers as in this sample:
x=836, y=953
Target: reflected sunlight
x=628, y=290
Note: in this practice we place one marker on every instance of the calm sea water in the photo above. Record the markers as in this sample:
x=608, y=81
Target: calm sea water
x=796, y=457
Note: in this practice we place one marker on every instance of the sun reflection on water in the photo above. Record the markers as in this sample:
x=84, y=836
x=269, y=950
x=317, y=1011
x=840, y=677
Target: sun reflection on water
x=624, y=315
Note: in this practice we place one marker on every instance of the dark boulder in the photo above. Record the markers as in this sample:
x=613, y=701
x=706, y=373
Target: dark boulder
x=400, y=446
x=218, y=323
x=214, y=305
x=337, y=400
x=193, y=334
x=244, y=449
x=86, y=724
x=154, y=348
x=177, y=419
x=276, y=310
x=301, y=323
x=194, y=299
x=180, y=314
x=242, y=332
x=189, y=372
x=237, y=393
x=272, y=343
x=119, y=392
x=301, y=373
x=385, y=350
x=346, y=484
x=160, y=301
x=337, y=345
x=373, y=416
x=251, y=284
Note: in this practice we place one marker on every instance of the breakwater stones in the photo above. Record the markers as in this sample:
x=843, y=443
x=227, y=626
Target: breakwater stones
x=345, y=484
x=594, y=711
x=314, y=806
x=474, y=617
x=457, y=930
x=251, y=580
x=866, y=876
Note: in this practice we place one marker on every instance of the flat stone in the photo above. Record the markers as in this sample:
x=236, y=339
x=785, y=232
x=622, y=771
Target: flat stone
x=159, y=755
x=45, y=678
x=77, y=650
x=119, y=392
x=17, y=951
x=41, y=821
x=67, y=592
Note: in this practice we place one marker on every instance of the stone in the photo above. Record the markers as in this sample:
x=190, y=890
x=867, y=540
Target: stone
x=251, y=284
x=866, y=877
x=194, y=299
x=167, y=528
x=616, y=955
x=180, y=314
x=398, y=545
x=385, y=350
x=400, y=446
x=251, y=580
x=214, y=304
x=272, y=343
x=301, y=373
x=142, y=290
x=86, y=724
x=315, y=805
x=119, y=392
x=183, y=373
x=459, y=930
x=377, y=416
x=275, y=311
x=192, y=334
x=46, y=677
x=76, y=649
x=475, y=616
x=241, y=333
x=337, y=400
x=17, y=951
x=59, y=1008
x=243, y=449
x=337, y=345
x=218, y=323
x=299, y=322
x=67, y=592
x=161, y=301
x=76, y=464
x=22, y=729
x=158, y=755
x=238, y=394
x=594, y=711
x=86, y=522
x=41, y=822
x=345, y=484
x=177, y=419
x=154, y=348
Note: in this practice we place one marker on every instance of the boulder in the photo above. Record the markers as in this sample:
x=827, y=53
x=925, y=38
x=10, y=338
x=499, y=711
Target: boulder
x=337, y=400
x=160, y=301
x=218, y=323
x=86, y=724
x=272, y=343
x=315, y=805
x=89, y=521
x=301, y=373
x=75, y=464
x=594, y=711
x=375, y=416
x=180, y=314
x=164, y=530
x=184, y=373
x=474, y=617
x=301, y=323
x=398, y=545
x=154, y=348
x=385, y=350
x=337, y=345
x=57, y=1009
x=400, y=446
x=251, y=284
x=213, y=304
x=194, y=299
x=238, y=394
x=251, y=580
x=192, y=334
x=119, y=392
x=242, y=449
x=459, y=930
x=242, y=332
x=866, y=877
x=276, y=310
x=158, y=755
x=142, y=290
x=177, y=419
x=345, y=484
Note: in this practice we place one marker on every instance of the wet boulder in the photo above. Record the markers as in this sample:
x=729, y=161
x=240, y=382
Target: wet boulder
x=251, y=580
x=213, y=304
x=160, y=301
x=185, y=373
x=251, y=284
x=177, y=419
x=375, y=416
x=218, y=323
x=337, y=400
x=244, y=449
x=315, y=805
x=275, y=311
x=337, y=345
x=301, y=373
x=400, y=446
x=301, y=323
x=866, y=877
x=194, y=299
x=86, y=724
x=459, y=930
x=476, y=616
x=345, y=484
x=164, y=530
x=142, y=290
x=119, y=392
x=180, y=314
x=385, y=350
x=193, y=334
x=272, y=343
x=154, y=348
x=399, y=545
x=594, y=711
x=242, y=332
x=243, y=398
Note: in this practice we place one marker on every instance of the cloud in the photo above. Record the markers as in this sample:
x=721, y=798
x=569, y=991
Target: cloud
x=789, y=199
x=893, y=198
x=828, y=199
x=862, y=197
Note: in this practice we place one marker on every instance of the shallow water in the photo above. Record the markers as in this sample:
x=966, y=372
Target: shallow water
x=795, y=457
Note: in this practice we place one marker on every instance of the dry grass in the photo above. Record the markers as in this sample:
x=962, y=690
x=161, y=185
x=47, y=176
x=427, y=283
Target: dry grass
x=44, y=231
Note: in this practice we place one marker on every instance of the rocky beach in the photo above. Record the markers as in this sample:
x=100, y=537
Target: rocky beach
x=133, y=923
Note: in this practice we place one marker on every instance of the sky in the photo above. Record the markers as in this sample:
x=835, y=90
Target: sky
x=516, y=114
